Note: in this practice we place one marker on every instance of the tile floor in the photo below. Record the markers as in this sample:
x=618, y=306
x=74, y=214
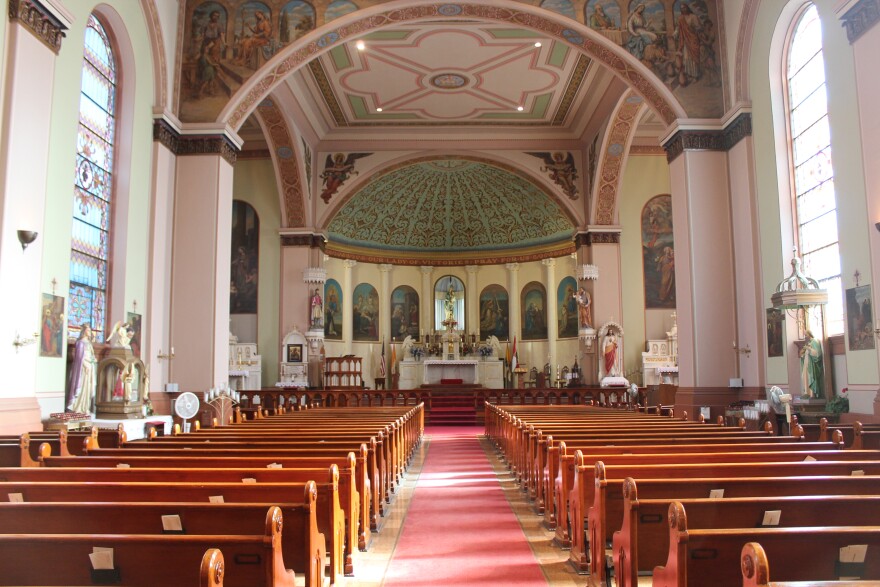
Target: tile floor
x=370, y=566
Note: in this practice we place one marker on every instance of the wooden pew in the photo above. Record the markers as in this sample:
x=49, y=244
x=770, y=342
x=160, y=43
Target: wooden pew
x=63, y=559
x=641, y=543
x=329, y=513
x=756, y=572
x=15, y=452
x=865, y=436
x=798, y=554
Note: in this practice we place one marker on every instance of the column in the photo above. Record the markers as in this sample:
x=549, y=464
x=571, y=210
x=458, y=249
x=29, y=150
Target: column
x=552, y=312
x=200, y=267
x=427, y=295
x=347, y=305
x=29, y=71
x=385, y=301
x=472, y=303
x=704, y=287
x=513, y=293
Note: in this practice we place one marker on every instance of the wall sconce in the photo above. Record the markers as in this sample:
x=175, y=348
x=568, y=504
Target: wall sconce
x=20, y=342
x=742, y=350
x=167, y=357
x=26, y=237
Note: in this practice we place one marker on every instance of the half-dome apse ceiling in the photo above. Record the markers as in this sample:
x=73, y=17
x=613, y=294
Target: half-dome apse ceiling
x=456, y=208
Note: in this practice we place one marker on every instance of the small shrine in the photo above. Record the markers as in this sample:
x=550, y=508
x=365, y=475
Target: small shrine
x=660, y=360
x=122, y=379
x=294, y=368
x=245, y=365
x=611, y=356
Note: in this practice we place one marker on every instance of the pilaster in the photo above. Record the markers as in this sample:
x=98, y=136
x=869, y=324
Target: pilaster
x=472, y=303
x=514, y=297
x=552, y=310
x=385, y=294
x=347, y=305
x=427, y=296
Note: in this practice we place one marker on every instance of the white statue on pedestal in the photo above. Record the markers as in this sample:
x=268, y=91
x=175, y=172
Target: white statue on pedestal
x=120, y=336
x=407, y=346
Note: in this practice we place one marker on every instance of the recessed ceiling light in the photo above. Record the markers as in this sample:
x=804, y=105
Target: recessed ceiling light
x=520, y=108
x=360, y=45
x=378, y=110
x=537, y=43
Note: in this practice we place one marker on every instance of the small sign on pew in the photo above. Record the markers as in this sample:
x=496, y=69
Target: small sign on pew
x=716, y=493
x=103, y=572
x=771, y=518
x=809, y=459
x=171, y=524
x=274, y=466
x=215, y=499
x=123, y=466
x=858, y=473
x=16, y=498
x=851, y=565
x=248, y=480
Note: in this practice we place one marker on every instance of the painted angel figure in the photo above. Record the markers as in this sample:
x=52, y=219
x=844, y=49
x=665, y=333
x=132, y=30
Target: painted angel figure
x=562, y=170
x=337, y=169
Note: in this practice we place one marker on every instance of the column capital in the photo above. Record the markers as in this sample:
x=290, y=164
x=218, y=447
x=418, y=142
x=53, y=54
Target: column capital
x=40, y=21
x=349, y=263
x=426, y=269
x=472, y=269
x=512, y=267
x=548, y=262
x=385, y=267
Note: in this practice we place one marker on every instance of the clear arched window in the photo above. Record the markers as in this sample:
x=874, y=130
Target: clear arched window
x=93, y=186
x=815, y=206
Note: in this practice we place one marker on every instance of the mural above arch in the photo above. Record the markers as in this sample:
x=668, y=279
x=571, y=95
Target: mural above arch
x=462, y=209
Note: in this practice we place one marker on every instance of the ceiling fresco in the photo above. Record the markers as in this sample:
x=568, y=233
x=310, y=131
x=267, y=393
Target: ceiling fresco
x=451, y=205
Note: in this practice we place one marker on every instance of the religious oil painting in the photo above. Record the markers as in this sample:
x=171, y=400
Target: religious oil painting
x=245, y=259
x=332, y=310
x=404, y=313
x=365, y=313
x=134, y=323
x=294, y=353
x=51, y=325
x=860, y=318
x=775, y=326
x=567, y=306
x=494, y=313
x=658, y=252
x=534, y=311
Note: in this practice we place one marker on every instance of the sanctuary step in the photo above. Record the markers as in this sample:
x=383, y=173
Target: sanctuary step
x=452, y=410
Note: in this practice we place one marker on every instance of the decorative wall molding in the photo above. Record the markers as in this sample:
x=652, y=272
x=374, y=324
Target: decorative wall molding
x=38, y=20
x=254, y=154
x=313, y=241
x=586, y=239
x=709, y=140
x=861, y=17
x=616, y=142
x=451, y=261
x=281, y=144
x=182, y=145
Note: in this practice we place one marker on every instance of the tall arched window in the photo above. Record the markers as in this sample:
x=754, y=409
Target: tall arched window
x=815, y=207
x=93, y=186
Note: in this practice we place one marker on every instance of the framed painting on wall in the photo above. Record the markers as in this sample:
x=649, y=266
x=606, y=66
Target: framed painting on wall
x=494, y=313
x=134, y=322
x=365, y=313
x=775, y=326
x=332, y=310
x=860, y=318
x=567, y=307
x=244, y=275
x=294, y=353
x=534, y=311
x=404, y=313
x=658, y=252
x=51, y=325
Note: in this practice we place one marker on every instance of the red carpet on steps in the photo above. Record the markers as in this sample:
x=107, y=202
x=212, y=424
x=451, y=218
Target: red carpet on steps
x=460, y=529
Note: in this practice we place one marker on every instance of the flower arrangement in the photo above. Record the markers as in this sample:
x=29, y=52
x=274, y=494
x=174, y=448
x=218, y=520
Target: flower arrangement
x=417, y=352
x=839, y=404
x=485, y=351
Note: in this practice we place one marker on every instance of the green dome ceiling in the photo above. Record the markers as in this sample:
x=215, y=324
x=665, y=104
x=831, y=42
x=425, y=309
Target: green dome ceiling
x=457, y=207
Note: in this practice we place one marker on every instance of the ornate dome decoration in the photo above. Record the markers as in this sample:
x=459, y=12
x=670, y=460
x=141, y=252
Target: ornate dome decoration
x=452, y=211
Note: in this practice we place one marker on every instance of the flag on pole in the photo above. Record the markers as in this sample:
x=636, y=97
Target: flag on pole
x=393, y=358
x=513, y=358
x=382, y=361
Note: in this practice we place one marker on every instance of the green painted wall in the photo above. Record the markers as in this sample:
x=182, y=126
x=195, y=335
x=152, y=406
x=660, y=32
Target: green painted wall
x=254, y=183
x=643, y=178
x=134, y=46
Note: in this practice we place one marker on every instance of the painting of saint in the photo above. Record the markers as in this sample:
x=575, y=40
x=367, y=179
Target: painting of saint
x=297, y=18
x=567, y=306
x=775, y=325
x=332, y=310
x=404, y=313
x=860, y=318
x=51, y=325
x=658, y=252
x=602, y=15
x=134, y=323
x=365, y=313
x=494, y=313
x=244, y=275
x=534, y=311
x=252, y=45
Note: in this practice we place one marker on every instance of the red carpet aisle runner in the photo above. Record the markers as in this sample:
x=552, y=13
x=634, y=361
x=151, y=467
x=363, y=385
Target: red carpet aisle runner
x=459, y=529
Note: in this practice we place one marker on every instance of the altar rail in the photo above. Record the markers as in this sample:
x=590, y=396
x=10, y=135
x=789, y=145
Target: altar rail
x=602, y=396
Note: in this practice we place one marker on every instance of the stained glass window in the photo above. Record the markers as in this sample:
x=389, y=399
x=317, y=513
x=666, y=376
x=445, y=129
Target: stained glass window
x=93, y=186
x=815, y=202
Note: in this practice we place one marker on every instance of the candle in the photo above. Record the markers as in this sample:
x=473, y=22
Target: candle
x=172, y=350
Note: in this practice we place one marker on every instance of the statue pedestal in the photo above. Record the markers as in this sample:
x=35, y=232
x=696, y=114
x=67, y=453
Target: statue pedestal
x=614, y=382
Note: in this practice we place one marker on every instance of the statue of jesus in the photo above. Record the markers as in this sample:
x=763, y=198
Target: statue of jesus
x=449, y=302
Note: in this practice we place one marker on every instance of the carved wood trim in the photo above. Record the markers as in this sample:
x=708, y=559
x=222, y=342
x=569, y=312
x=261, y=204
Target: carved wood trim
x=709, y=140
x=861, y=17
x=39, y=21
x=182, y=145
x=314, y=241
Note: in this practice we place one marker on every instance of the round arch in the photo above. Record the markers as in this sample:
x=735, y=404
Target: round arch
x=359, y=23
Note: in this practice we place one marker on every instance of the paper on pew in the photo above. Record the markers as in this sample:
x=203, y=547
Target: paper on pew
x=716, y=493
x=771, y=518
x=16, y=498
x=102, y=558
x=123, y=466
x=248, y=480
x=215, y=498
x=172, y=523
x=809, y=459
x=854, y=553
x=858, y=473
x=274, y=466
